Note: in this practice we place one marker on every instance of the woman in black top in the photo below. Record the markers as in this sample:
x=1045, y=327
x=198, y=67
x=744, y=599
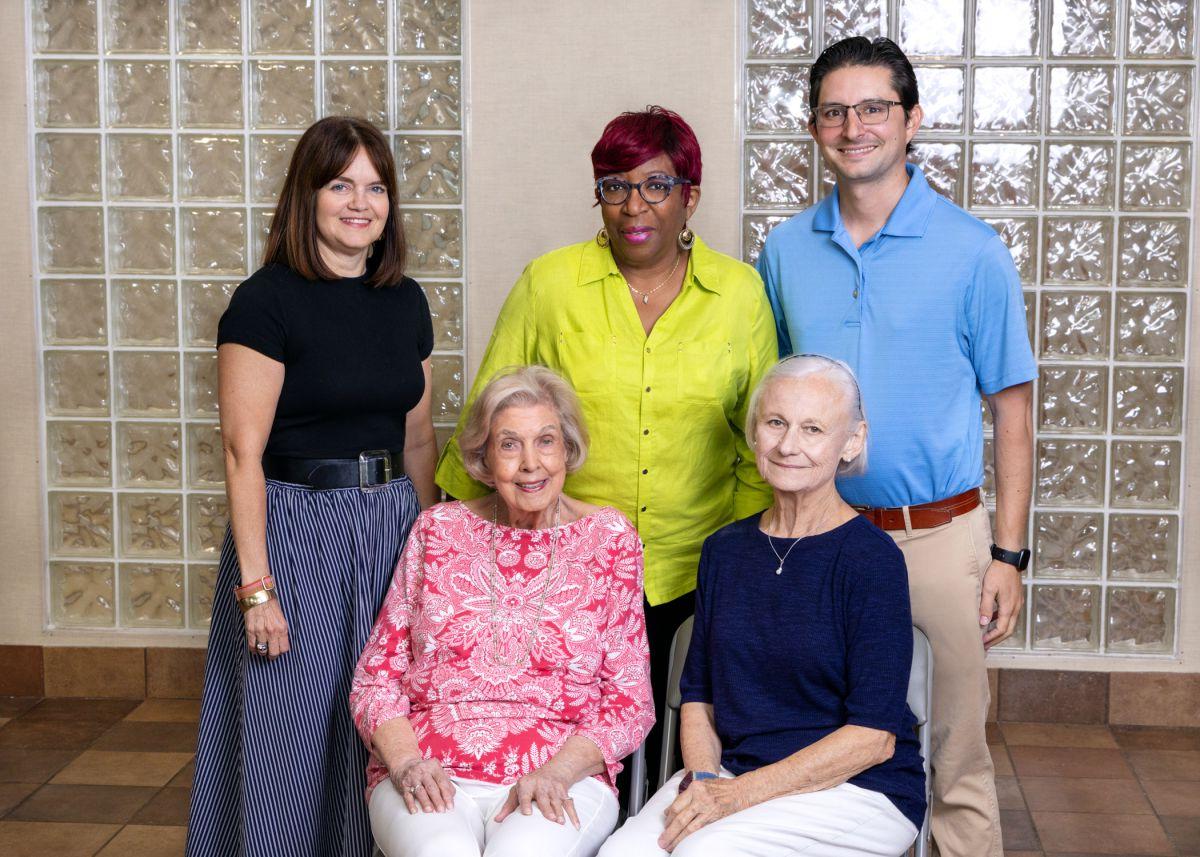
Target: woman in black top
x=323, y=359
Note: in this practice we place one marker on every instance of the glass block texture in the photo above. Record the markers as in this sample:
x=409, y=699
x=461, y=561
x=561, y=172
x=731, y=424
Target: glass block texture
x=429, y=26
x=69, y=166
x=1066, y=618
x=82, y=594
x=779, y=28
x=356, y=89
x=64, y=26
x=162, y=132
x=931, y=28
x=1007, y=28
x=152, y=595
x=209, y=26
x=1082, y=99
x=1068, y=544
x=139, y=94
x=1069, y=126
x=355, y=26
x=1082, y=28
x=1141, y=620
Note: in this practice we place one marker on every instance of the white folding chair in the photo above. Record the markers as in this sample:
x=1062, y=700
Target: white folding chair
x=670, y=733
x=920, y=702
x=638, y=783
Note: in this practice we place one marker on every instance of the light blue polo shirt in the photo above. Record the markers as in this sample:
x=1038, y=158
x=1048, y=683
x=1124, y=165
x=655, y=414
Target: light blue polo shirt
x=929, y=314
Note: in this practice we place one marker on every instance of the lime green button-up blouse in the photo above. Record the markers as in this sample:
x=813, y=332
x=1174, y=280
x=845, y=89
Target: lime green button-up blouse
x=665, y=412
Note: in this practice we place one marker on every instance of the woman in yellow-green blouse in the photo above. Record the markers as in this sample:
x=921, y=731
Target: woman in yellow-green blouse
x=663, y=339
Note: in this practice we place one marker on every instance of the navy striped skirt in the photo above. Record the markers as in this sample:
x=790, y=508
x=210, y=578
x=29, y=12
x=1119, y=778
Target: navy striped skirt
x=280, y=770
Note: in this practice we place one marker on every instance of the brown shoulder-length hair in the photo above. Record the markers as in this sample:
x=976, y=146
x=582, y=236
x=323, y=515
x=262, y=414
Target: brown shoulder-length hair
x=322, y=154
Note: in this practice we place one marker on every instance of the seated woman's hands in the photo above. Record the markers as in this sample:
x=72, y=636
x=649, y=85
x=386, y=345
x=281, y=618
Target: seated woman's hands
x=704, y=802
x=547, y=787
x=422, y=783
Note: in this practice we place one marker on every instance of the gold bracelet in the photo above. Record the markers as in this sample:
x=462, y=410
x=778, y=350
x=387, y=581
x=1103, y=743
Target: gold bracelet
x=253, y=600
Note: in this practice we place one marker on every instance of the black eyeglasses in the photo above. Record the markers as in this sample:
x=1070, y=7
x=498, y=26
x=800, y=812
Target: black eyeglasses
x=654, y=189
x=873, y=112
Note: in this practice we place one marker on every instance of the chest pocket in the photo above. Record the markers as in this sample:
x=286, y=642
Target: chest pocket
x=704, y=371
x=588, y=361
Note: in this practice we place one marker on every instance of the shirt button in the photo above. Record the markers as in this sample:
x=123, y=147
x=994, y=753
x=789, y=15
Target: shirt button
x=647, y=389
x=643, y=508
x=644, y=472
x=647, y=349
x=645, y=431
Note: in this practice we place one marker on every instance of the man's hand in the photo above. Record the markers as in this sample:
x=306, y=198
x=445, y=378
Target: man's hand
x=1003, y=595
x=703, y=803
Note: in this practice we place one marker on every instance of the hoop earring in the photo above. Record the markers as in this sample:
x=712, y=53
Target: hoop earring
x=602, y=237
x=686, y=239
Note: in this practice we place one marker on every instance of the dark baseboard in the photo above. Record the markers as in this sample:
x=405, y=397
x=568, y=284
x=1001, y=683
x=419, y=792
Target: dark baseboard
x=93, y=671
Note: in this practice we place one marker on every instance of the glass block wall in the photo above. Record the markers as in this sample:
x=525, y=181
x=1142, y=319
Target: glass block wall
x=1069, y=125
x=161, y=131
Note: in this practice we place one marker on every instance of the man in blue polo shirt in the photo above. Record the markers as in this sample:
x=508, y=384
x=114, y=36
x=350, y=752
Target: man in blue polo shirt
x=924, y=302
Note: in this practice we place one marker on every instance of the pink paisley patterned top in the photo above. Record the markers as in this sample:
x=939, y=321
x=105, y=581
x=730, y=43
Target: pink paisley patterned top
x=452, y=622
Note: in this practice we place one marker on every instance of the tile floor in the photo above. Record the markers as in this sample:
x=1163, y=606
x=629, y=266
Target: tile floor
x=111, y=777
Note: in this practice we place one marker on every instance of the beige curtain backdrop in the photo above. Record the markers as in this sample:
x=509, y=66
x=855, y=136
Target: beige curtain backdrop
x=541, y=80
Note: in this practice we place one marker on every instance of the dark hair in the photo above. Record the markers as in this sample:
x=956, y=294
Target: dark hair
x=325, y=150
x=861, y=51
x=636, y=137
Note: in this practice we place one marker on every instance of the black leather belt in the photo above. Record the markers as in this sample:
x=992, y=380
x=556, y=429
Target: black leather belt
x=373, y=469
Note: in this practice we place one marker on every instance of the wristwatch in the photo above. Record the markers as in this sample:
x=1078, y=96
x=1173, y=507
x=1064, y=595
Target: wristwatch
x=1020, y=558
x=694, y=777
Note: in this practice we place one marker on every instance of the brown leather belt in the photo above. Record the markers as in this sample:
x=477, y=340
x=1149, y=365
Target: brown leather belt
x=924, y=516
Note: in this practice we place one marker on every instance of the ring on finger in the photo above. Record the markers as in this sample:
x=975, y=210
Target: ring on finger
x=261, y=648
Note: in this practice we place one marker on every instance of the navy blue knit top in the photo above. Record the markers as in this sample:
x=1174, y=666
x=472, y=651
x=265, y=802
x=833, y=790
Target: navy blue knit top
x=787, y=659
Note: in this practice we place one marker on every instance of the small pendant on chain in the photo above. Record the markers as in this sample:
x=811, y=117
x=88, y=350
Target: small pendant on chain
x=645, y=299
x=779, y=570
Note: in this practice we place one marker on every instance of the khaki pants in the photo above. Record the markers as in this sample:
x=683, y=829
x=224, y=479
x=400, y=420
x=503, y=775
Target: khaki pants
x=945, y=569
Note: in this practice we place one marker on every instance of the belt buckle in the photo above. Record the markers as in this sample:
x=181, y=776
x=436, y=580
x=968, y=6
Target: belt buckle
x=365, y=459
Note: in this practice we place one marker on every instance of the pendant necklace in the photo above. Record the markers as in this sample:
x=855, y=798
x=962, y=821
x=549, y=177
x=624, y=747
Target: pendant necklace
x=549, y=573
x=646, y=295
x=782, y=559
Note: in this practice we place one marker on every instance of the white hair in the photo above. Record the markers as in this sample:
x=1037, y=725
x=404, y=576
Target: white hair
x=517, y=387
x=803, y=366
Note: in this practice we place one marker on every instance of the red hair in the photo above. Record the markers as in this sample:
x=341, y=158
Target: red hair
x=636, y=137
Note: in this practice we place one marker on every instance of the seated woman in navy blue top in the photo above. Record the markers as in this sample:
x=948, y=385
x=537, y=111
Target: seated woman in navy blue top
x=796, y=734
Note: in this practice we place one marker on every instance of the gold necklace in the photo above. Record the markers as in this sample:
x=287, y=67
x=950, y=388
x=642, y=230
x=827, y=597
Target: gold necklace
x=646, y=295
x=548, y=573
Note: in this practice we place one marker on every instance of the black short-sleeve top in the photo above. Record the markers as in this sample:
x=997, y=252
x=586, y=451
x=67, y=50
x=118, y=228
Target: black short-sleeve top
x=352, y=355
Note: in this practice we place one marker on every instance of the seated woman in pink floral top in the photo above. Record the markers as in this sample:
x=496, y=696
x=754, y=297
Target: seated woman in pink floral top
x=507, y=674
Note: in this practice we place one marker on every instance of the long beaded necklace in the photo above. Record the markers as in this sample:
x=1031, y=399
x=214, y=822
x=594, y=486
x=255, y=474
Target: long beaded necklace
x=646, y=295
x=549, y=574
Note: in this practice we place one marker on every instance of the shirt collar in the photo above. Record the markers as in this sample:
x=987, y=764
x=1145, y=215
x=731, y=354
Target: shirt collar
x=598, y=263
x=909, y=218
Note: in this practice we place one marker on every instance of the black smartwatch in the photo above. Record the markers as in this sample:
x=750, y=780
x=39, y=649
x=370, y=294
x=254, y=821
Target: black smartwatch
x=1020, y=558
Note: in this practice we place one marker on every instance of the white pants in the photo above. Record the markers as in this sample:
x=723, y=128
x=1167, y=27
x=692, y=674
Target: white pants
x=468, y=830
x=845, y=821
